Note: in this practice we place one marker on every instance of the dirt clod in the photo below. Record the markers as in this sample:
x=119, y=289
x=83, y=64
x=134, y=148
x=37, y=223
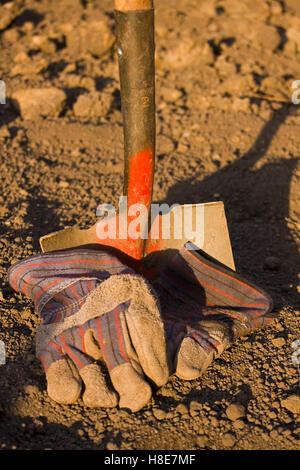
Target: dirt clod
x=292, y=403
x=235, y=411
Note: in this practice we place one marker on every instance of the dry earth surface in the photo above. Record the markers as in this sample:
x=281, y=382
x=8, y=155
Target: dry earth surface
x=227, y=130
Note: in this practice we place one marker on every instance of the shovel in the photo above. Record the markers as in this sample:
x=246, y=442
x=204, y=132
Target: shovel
x=144, y=234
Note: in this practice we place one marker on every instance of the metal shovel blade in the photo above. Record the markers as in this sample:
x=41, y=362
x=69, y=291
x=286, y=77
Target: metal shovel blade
x=204, y=225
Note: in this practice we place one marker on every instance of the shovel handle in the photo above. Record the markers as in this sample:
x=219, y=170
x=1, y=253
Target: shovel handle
x=135, y=49
x=132, y=5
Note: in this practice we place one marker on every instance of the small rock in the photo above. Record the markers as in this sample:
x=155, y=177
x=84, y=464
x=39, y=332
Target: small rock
x=33, y=103
x=170, y=95
x=238, y=424
x=29, y=68
x=214, y=422
x=63, y=184
x=292, y=403
x=195, y=406
x=21, y=57
x=264, y=37
x=182, y=409
x=293, y=36
x=31, y=390
x=235, y=411
x=159, y=414
x=112, y=446
x=238, y=85
x=93, y=104
x=75, y=153
x=8, y=12
x=228, y=440
x=276, y=8
x=241, y=104
x=94, y=37
x=43, y=44
x=272, y=263
x=202, y=441
x=165, y=145
x=216, y=159
x=278, y=342
x=185, y=52
x=28, y=27
x=10, y=36
x=273, y=434
x=4, y=132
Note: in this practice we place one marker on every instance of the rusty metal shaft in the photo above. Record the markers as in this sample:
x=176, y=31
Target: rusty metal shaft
x=135, y=49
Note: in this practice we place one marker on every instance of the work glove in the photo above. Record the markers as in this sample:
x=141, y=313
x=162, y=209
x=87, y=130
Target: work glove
x=205, y=307
x=102, y=328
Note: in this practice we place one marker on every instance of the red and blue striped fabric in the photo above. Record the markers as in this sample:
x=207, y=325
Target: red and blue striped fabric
x=59, y=283
x=108, y=333
x=43, y=277
x=193, y=288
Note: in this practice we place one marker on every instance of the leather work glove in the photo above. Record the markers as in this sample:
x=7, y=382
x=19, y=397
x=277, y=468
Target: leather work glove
x=90, y=315
x=205, y=307
x=101, y=328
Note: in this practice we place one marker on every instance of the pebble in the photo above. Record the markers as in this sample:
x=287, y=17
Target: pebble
x=63, y=184
x=159, y=414
x=216, y=158
x=93, y=104
x=165, y=145
x=94, y=37
x=4, y=132
x=112, y=446
x=182, y=409
x=235, y=411
x=202, y=441
x=238, y=424
x=29, y=68
x=278, y=342
x=21, y=57
x=292, y=403
x=195, y=406
x=8, y=12
x=228, y=440
x=33, y=103
x=43, y=44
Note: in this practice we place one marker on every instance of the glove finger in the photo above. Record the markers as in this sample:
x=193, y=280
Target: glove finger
x=147, y=335
x=191, y=360
x=98, y=389
x=129, y=379
x=63, y=380
x=199, y=347
x=126, y=374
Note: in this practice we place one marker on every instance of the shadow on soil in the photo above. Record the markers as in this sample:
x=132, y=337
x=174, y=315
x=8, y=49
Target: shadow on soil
x=256, y=198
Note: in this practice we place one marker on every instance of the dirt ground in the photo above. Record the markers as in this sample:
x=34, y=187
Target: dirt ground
x=226, y=130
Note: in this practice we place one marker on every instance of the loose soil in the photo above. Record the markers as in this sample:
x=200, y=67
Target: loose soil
x=226, y=130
